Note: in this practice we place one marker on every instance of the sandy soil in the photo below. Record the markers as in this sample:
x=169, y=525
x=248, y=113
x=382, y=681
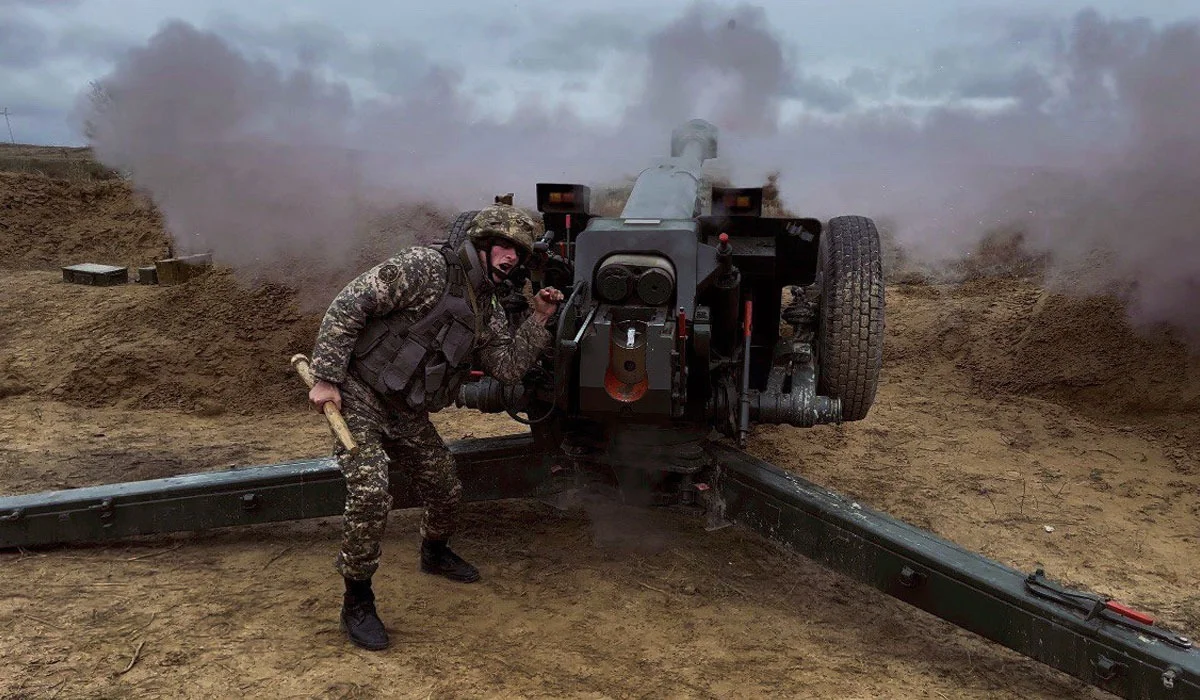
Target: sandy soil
x=1004, y=410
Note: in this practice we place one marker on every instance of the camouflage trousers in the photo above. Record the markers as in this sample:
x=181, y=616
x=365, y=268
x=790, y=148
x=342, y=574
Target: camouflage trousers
x=414, y=446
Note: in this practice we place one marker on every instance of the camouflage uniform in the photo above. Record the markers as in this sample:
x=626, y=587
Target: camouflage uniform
x=410, y=284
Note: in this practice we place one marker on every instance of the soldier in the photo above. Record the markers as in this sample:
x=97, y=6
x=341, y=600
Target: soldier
x=395, y=345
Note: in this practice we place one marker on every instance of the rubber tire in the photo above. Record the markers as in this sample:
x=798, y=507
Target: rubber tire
x=850, y=326
x=457, y=232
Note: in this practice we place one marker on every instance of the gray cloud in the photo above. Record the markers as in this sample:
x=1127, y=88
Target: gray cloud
x=90, y=43
x=1139, y=204
x=727, y=66
x=996, y=57
x=257, y=156
x=23, y=44
x=255, y=160
x=390, y=67
x=27, y=111
x=41, y=4
x=1025, y=84
x=1101, y=174
x=975, y=74
x=305, y=43
x=871, y=83
x=821, y=93
x=395, y=69
x=580, y=44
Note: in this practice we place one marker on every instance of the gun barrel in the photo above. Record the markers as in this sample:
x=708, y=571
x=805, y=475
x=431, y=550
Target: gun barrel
x=671, y=189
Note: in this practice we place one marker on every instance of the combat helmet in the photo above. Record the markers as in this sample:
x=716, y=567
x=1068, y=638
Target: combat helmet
x=505, y=221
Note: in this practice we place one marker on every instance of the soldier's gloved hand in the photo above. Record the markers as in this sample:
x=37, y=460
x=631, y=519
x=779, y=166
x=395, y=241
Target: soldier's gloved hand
x=322, y=392
x=546, y=303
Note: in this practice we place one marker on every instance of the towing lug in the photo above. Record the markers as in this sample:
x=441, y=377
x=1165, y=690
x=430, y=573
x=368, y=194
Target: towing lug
x=1169, y=676
x=1108, y=669
x=909, y=578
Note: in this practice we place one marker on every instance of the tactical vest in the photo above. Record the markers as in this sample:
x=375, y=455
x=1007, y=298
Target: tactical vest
x=420, y=365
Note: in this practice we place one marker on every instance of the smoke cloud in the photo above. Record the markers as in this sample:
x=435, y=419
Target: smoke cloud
x=1080, y=135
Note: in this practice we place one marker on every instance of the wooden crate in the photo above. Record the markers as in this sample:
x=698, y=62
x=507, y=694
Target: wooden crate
x=179, y=270
x=95, y=275
x=147, y=275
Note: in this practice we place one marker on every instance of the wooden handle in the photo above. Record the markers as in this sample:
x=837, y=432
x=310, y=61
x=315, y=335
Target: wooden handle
x=340, y=429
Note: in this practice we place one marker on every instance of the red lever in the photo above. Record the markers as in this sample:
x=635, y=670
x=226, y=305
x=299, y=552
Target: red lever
x=1129, y=612
x=749, y=311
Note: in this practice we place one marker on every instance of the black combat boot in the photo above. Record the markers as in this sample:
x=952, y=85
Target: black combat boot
x=359, y=620
x=436, y=558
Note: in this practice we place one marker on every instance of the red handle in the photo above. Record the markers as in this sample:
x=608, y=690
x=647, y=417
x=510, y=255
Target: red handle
x=749, y=315
x=1125, y=610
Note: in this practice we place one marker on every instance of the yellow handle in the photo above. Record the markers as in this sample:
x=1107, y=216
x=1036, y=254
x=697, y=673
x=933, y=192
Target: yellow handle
x=340, y=429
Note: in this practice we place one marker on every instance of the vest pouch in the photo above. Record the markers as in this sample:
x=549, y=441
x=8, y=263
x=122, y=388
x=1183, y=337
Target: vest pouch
x=460, y=340
x=370, y=337
x=397, y=374
x=435, y=373
x=416, y=396
x=445, y=395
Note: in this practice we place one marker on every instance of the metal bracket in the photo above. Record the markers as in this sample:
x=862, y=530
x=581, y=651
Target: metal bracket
x=911, y=578
x=106, y=511
x=1107, y=669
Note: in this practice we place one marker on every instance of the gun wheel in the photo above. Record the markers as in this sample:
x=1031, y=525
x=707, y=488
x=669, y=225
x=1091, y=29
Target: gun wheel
x=850, y=326
x=457, y=232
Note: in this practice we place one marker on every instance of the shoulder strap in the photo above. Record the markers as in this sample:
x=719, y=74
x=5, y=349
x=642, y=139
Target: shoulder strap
x=456, y=276
x=458, y=282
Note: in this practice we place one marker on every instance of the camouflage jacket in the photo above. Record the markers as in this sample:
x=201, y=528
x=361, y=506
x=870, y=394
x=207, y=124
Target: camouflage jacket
x=411, y=283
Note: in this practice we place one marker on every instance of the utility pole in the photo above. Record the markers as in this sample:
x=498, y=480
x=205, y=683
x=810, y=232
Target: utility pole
x=9, y=124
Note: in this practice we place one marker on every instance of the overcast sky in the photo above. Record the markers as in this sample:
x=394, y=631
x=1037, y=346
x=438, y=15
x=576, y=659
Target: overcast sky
x=580, y=54
x=261, y=128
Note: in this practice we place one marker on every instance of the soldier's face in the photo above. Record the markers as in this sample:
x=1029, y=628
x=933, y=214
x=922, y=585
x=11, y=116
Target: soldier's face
x=504, y=259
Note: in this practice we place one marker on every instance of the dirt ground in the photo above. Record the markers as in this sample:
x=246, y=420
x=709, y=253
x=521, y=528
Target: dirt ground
x=1034, y=428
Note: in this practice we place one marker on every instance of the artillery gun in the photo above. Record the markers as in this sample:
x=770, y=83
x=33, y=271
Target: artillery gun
x=671, y=331
x=670, y=346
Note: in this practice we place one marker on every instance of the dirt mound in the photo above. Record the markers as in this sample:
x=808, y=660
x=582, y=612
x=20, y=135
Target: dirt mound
x=211, y=345
x=218, y=343
x=46, y=223
x=1084, y=351
x=1002, y=253
x=1011, y=336
x=59, y=162
x=208, y=346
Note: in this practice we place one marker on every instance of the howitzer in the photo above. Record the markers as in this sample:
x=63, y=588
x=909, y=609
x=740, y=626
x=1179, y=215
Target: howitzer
x=671, y=332
x=673, y=342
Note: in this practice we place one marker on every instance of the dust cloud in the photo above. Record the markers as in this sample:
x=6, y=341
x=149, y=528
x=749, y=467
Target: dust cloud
x=1079, y=135
x=725, y=67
